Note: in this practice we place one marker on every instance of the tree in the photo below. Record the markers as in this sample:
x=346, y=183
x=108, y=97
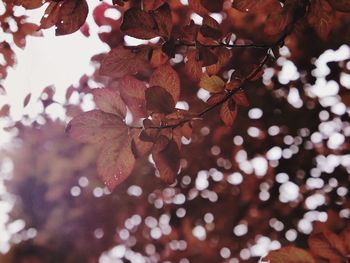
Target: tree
x=231, y=166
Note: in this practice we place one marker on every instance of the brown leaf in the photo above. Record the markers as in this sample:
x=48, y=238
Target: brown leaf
x=162, y=16
x=51, y=15
x=256, y=5
x=193, y=67
x=139, y=24
x=148, y=5
x=121, y=61
x=215, y=98
x=240, y=98
x=340, y=5
x=110, y=101
x=132, y=92
x=210, y=28
x=212, y=84
x=159, y=100
x=116, y=161
x=167, y=78
x=206, y=56
x=223, y=55
x=197, y=7
x=320, y=17
x=289, y=254
x=72, y=16
x=29, y=4
x=166, y=156
x=212, y=6
x=277, y=21
x=139, y=147
x=327, y=245
x=26, y=100
x=96, y=127
x=228, y=112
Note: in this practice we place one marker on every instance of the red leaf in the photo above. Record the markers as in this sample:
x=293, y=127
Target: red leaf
x=340, y=5
x=121, y=61
x=139, y=24
x=148, y=5
x=320, y=17
x=289, y=254
x=132, y=92
x=109, y=101
x=116, y=161
x=327, y=245
x=139, y=147
x=240, y=98
x=167, y=78
x=223, y=57
x=193, y=67
x=277, y=21
x=166, y=156
x=29, y=4
x=96, y=127
x=215, y=98
x=162, y=16
x=256, y=5
x=159, y=100
x=207, y=56
x=197, y=7
x=72, y=16
x=228, y=112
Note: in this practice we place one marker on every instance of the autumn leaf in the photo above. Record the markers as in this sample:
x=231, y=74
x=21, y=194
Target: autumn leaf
x=289, y=254
x=132, y=92
x=228, y=112
x=206, y=56
x=159, y=100
x=162, y=16
x=167, y=78
x=193, y=67
x=223, y=57
x=166, y=156
x=51, y=15
x=72, y=16
x=277, y=21
x=96, y=127
x=240, y=98
x=139, y=147
x=139, y=24
x=320, y=17
x=116, y=161
x=29, y=4
x=212, y=84
x=210, y=28
x=340, y=5
x=216, y=98
x=26, y=100
x=4, y=110
x=256, y=5
x=197, y=7
x=122, y=61
x=110, y=101
x=327, y=245
x=212, y=6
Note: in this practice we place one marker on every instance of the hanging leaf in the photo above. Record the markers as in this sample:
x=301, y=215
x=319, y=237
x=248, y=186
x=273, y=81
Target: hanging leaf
x=96, y=127
x=159, y=100
x=26, y=100
x=132, y=92
x=167, y=78
x=320, y=17
x=116, y=161
x=210, y=28
x=228, y=112
x=340, y=5
x=162, y=16
x=240, y=98
x=166, y=156
x=109, y=101
x=122, y=61
x=193, y=67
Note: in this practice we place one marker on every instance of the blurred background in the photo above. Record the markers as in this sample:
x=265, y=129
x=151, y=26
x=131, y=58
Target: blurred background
x=260, y=185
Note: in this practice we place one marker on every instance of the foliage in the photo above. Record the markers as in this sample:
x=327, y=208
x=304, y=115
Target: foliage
x=218, y=160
